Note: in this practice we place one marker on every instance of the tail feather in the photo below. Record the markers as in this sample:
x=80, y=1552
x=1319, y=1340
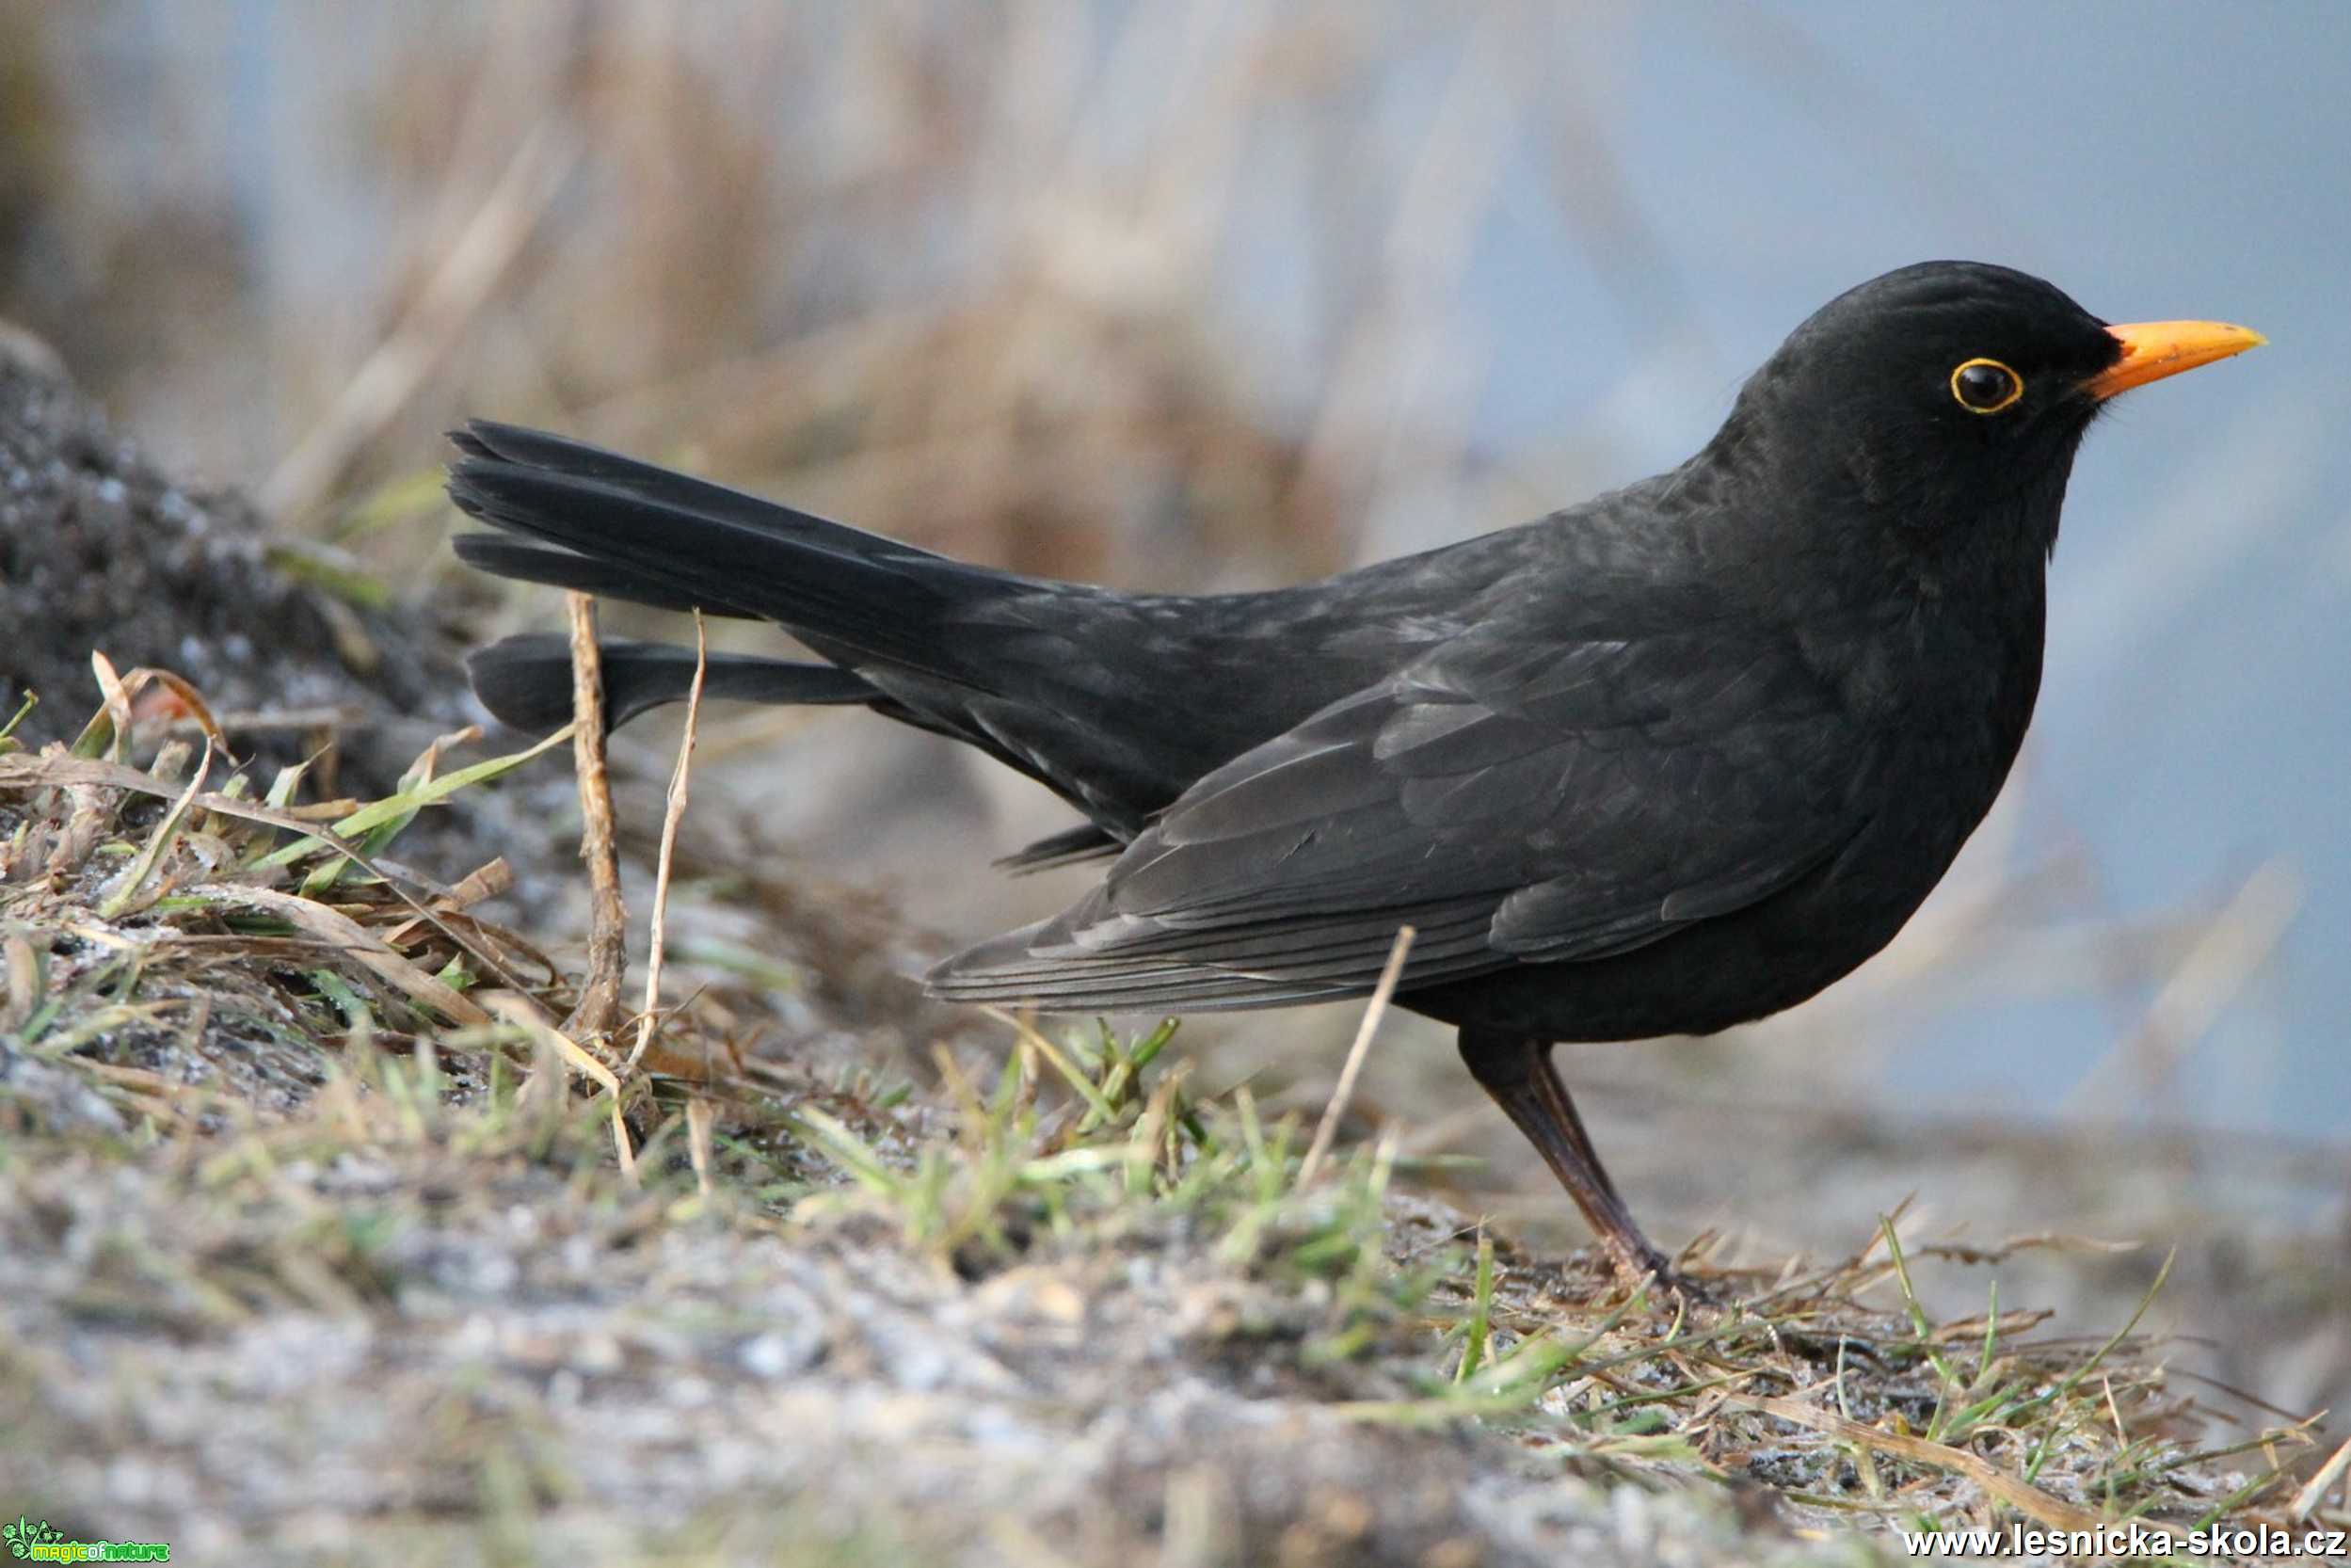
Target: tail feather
x=957, y=649
x=1071, y=846
x=1003, y=971
x=526, y=682
x=486, y=441
x=684, y=541
x=526, y=562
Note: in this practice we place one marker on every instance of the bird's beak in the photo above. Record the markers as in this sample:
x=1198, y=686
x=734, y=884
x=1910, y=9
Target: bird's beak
x=2155, y=349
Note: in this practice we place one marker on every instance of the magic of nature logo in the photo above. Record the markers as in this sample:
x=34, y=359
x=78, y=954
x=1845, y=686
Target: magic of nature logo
x=38, y=1540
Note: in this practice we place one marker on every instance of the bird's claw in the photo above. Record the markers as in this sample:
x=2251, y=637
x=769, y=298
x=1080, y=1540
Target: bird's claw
x=1655, y=1274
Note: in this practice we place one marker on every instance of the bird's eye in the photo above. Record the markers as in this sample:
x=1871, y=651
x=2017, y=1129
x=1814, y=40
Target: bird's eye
x=1986, y=386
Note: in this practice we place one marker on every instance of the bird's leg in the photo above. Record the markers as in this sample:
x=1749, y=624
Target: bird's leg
x=1517, y=1072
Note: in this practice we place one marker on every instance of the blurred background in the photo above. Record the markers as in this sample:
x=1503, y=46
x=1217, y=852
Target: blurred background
x=1210, y=296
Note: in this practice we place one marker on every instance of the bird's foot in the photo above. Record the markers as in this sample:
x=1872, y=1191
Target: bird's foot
x=1647, y=1268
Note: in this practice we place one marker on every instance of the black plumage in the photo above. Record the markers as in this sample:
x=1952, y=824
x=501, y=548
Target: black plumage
x=1666, y=761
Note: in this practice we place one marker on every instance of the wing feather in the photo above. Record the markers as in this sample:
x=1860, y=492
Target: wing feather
x=1514, y=800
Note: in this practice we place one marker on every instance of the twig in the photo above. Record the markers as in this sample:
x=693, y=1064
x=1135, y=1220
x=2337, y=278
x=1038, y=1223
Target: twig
x=648, y=1019
x=1356, y=1053
x=553, y=1044
x=2307, y=1500
x=261, y=721
x=332, y=925
x=2039, y=1506
x=608, y=919
x=698, y=1122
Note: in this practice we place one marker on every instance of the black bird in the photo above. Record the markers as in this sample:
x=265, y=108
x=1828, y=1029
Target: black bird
x=1666, y=761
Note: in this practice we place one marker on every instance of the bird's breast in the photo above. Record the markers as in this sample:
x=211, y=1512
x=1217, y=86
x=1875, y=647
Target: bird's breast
x=1945, y=696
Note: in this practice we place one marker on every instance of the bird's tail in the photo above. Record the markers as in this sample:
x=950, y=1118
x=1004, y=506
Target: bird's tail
x=526, y=682
x=603, y=523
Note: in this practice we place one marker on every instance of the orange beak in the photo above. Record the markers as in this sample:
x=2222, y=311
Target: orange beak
x=2155, y=349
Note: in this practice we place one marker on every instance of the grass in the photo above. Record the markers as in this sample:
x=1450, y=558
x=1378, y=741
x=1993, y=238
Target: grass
x=321, y=1088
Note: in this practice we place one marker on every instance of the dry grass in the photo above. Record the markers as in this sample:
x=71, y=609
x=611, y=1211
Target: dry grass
x=306, y=1077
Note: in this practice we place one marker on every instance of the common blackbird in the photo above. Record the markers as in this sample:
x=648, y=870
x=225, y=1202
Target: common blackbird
x=1666, y=761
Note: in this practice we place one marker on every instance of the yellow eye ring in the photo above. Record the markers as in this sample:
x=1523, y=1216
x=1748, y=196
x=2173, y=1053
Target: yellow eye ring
x=1980, y=394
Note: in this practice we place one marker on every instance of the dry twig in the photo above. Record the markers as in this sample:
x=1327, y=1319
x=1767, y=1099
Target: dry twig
x=647, y=1019
x=1374, y=1010
x=598, y=1011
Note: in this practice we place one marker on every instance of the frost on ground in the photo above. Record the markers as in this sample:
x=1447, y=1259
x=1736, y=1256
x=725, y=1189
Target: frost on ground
x=400, y=1352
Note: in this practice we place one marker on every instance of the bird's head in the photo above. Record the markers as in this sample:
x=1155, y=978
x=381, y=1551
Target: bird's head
x=1951, y=392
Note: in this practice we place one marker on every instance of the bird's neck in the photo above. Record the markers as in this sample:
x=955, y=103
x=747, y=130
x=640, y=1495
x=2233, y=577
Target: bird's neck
x=1867, y=531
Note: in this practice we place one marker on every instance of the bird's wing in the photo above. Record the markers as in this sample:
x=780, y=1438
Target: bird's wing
x=1514, y=800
